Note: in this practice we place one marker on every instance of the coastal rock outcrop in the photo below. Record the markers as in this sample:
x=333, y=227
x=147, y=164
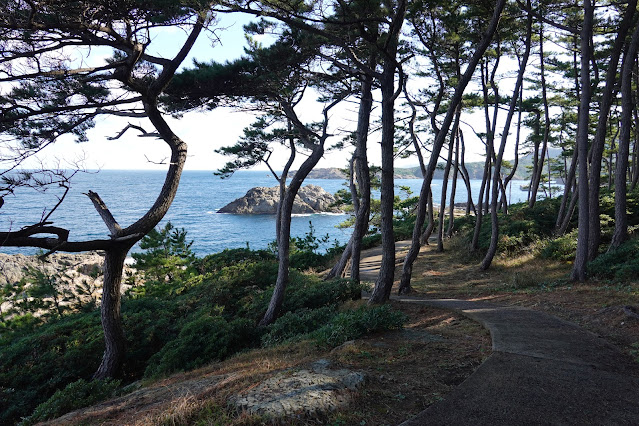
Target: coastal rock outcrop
x=76, y=267
x=302, y=393
x=260, y=200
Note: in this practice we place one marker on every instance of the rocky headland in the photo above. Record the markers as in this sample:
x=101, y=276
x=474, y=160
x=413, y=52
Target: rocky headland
x=310, y=199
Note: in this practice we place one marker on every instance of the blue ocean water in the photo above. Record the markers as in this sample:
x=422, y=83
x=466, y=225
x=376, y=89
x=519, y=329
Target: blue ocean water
x=128, y=194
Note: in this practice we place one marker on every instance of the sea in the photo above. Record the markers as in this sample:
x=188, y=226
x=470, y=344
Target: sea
x=130, y=193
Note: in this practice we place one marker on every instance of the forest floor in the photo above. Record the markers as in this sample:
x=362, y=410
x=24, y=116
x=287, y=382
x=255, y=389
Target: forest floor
x=406, y=371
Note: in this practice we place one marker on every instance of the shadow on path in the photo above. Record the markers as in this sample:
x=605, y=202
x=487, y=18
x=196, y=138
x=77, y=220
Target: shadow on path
x=542, y=371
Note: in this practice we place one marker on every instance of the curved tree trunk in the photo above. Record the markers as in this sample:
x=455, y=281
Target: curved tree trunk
x=442, y=206
x=453, y=189
x=568, y=184
x=423, y=239
x=539, y=165
x=494, y=237
x=110, y=312
x=621, y=218
x=598, y=144
x=407, y=268
x=284, y=245
x=470, y=205
x=340, y=266
x=363, y=175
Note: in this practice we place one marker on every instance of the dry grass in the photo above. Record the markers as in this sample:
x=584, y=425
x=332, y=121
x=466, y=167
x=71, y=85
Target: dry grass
x=406, y=371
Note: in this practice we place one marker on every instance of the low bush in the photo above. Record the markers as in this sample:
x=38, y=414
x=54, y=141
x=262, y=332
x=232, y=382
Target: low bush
x=560, y=248
x=204, y=339
x=620, y=264
x=230, y=257
x=294, y=325
x=78, y=394
x=349, y=325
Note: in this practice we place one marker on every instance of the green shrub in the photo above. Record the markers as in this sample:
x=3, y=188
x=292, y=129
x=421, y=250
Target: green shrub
x=206, y=338
x=349, y=325
x=296, y=324
x=36, y=363
x=230, y=257
x=167, y=256
x=561, y=248
x=75, y=395
x=620, y=264
x=311, y=292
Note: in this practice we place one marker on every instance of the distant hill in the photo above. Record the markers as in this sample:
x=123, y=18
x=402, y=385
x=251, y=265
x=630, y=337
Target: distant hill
x=475, y=170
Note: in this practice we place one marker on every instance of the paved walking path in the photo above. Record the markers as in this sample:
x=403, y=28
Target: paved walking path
x=543, y=371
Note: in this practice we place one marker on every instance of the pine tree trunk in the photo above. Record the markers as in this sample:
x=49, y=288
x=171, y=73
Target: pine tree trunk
x=453, y=189
x=581, y=256
x=115, y=343
x=284, y=245
x=340, y=266
x=442, y=208
x=384, y=282
x=494, y=237
x=568, y=184
x=598, y=144
x=407, y=268
x=470, y=205
x=620, y=234
x=363, y=175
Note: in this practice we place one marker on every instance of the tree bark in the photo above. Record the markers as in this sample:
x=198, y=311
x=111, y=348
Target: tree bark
x=110, y=312
x=363, y=174
x=539, y=165
x=384, y=282
x=442, y=206
x=598, y=144
x=284, y=245
x=453, y=189
x=494, y=236
x=620, y=234
x=581, y=256
x=407, y=268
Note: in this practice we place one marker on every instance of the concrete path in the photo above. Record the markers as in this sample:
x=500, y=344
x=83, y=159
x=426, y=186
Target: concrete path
x=543, y=371
x=371, y=260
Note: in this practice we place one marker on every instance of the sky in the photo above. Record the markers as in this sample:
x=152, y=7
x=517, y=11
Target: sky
x=206, y=131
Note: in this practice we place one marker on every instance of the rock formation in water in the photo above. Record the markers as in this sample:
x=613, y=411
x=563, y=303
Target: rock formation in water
x=260, y=200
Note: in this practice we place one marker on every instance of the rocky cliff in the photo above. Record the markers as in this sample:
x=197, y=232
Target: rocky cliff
x=260, y=200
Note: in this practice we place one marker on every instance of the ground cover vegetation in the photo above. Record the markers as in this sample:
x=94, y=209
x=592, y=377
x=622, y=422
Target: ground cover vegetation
x=416, y=69
x=180, y=313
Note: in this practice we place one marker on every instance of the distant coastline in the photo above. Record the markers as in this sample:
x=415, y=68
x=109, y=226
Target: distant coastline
x=475, y=171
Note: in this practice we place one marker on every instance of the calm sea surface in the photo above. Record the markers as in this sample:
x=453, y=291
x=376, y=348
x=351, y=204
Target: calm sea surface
x=128, y=194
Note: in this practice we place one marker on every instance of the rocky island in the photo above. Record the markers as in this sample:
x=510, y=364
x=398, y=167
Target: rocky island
x=260, y=200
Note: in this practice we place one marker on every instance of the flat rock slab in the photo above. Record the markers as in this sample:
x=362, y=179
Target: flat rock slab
x=304, y=393
x=543, y=371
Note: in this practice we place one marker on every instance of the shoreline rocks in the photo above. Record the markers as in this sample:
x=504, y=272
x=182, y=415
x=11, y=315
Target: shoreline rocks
x=260, y=200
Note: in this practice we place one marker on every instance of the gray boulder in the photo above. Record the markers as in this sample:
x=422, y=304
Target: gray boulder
x=310, y=199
